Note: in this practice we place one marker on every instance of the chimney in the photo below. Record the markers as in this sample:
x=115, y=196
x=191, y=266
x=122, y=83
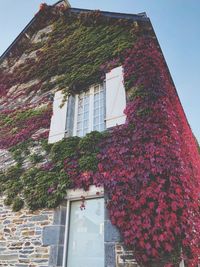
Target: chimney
x=63, y=2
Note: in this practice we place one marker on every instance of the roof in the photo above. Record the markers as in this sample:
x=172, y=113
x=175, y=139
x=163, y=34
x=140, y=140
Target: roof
x=135, y=17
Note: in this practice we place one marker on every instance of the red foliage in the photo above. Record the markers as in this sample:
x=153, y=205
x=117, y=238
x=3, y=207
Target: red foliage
x=43, y=6
x=22, y=130
x=150, y=166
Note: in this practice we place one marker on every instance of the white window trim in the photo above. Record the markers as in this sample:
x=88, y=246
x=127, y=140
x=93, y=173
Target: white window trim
x=73, y=195
x=91, y=107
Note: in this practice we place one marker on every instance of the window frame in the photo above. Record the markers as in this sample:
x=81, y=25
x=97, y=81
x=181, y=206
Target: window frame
x=77, y=195
x=91, y=108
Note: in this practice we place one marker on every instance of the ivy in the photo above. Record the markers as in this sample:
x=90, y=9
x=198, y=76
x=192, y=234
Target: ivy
x=41, y=189
x=35, y=158
x=149, y=167
x=18, y=204
x=44, y=184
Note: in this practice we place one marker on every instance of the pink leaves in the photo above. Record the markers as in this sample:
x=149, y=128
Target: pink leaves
x=168, y=247
x=174, y=206
x=159, y=204
x=149, y=167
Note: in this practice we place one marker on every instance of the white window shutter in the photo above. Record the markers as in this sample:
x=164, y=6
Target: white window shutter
x=58, y=120
x=115, y=98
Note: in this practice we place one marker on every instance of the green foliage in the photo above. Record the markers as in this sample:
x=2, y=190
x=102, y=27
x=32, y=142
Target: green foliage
x=10, y=183
x=64, y=149
x=89, y=148
x=3, y=180
x=20, y=151
x=89, y=143
x=13, y=172
x=88, y=163
x=144, y=112
x=45, y=145
x=35, y=158
x=77, y=49
x=17, y=155
x=78, y=46
x=20, y=116
x=18, y=204
x=40, y=187
x=8, y=201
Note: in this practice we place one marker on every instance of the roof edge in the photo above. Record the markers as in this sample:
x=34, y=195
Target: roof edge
x=135, y=17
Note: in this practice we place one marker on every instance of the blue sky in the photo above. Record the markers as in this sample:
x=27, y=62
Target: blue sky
x=176, y=23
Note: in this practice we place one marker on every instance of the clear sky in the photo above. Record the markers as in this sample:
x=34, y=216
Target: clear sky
x=176, y=23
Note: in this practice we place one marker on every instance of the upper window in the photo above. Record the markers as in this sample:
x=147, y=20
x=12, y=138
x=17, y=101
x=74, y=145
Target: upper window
x=90, y=111
x=99, y=108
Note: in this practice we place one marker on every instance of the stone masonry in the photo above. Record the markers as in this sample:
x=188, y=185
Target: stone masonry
x=21, y=237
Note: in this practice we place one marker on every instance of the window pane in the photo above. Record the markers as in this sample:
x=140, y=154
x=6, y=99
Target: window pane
x=96, y=112
x=83, y=114
x=86, y=234
x=79, y=133
x=91, y=111
x=99, y=109
x=96, y=120
x=96, y=128
x=85, y=131
x=86, y=108
x=96, y=89
x=86, y=99
x=79, y=125
x=86, y=115
x=96, y=104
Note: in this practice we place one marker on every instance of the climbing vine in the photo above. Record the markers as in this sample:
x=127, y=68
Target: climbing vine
x=149, y=167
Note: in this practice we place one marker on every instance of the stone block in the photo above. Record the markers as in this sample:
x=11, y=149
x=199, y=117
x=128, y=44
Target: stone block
x=9, y=257
x=40, y=261
x=111, y=233
x=38, y=218
x=110, y=255
x=53, y=235
x=39, y=36
x=53, y=256
x=56, y=256
x=124, y=257
x=28, y=233
x=59, y=217
x=60, y=255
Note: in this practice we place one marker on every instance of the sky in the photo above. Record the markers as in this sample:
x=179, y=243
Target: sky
x=176, y=23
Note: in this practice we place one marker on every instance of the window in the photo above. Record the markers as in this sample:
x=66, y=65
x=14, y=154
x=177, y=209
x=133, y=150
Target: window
x=84, y=235
x=90, y=111
x=99, y=108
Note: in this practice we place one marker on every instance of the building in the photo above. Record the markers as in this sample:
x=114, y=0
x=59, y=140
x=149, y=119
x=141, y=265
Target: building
x=99, y=166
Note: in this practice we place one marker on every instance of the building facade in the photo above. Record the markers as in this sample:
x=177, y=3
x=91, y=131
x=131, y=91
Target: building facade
x=99, y=166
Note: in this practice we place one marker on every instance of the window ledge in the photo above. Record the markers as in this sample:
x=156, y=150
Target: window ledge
x=93, y=191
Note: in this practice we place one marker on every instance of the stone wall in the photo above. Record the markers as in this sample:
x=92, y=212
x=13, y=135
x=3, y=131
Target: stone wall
x=36, y=239
x=21, y=235
x=124, y=257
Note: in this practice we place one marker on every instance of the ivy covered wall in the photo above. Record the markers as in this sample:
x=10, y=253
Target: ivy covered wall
x=149, y=166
